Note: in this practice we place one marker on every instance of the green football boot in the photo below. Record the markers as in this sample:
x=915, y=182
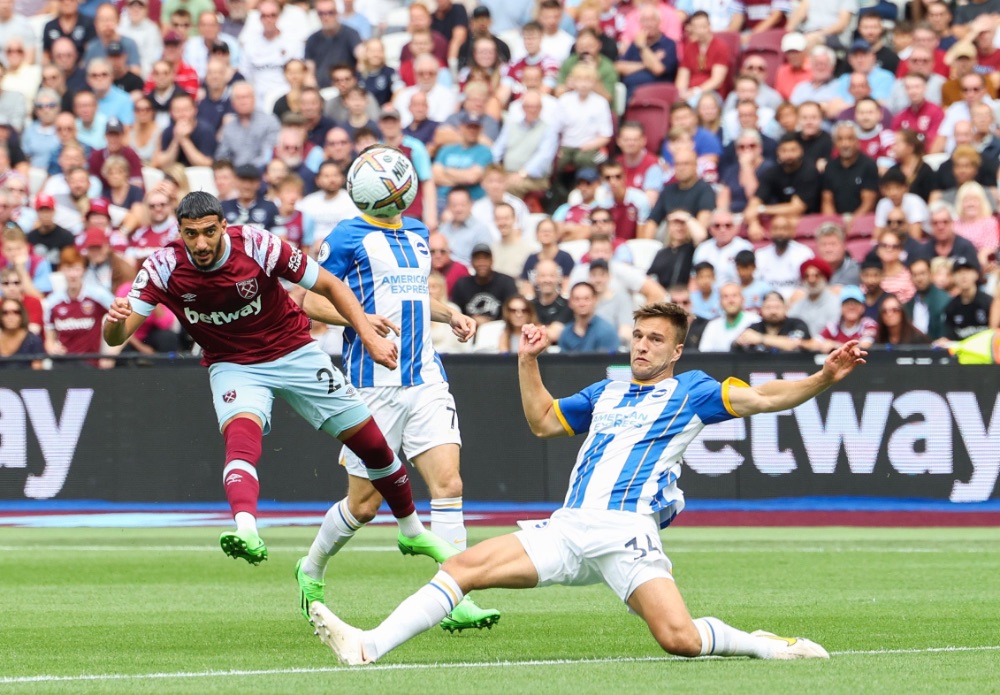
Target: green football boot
x=429, y=544
x=468, y=615
x=309, y=589
x=244, y=544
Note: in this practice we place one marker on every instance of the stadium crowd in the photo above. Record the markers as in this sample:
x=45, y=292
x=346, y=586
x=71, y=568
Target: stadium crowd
x=796, y=173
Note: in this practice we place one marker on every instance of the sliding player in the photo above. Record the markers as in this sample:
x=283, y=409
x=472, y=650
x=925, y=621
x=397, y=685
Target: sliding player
x=223, y=284
x=623, y=490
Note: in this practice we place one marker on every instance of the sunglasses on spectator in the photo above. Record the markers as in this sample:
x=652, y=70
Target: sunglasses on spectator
x=15, y=282
x=747, y=146
x=891, y=310
x=895, y=220
x=891, y=247
x=11, y=312
x=268, y=15
x=159, y=205
x=601, y=220
x=518, y=309
x=338, y=142
x=722, y=225
x=755, y=68
x=98, y=74
x=14, y=49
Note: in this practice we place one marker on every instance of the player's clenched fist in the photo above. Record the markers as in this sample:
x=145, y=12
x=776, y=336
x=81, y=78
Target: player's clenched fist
x=534, y=340
x=384, y=352
x=119, y=310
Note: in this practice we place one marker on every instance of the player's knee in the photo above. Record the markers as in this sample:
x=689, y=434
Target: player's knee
x=448, y=485
x=465, y=570
x=364, y=510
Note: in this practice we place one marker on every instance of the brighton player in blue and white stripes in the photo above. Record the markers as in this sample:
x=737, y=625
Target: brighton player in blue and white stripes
x=623, y=489
x=387, y=262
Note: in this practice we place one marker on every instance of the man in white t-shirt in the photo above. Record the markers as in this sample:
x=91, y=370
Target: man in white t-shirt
x=779, y=262
x=624, y=277
x=721, y=247
x=721, y=332
x=330, y=204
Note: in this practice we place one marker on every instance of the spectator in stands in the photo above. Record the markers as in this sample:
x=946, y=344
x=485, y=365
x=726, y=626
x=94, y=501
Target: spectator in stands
x=722, y=331
x=720, y=250
x=112, y=101
x=494, y=185
x=817, y=305
x=861, y=58
x=587, y=126
x=106, y=268
x=38, y=139
x=968, y=312
x=918, y=94
x=263, y=67
x=821, y=87
x=441, y=101
x=136, y=24
x=573, y=220
x=792, y=188
x=831, y=248
x=488, y=70
x=479, y=103
x=333, y=44
x=874, y=139
x=464, y=163
x=965, y=166
x=976, y=222
x=753, y=288
x=591, y=16
x=613, y=305
x=184, y=76
x=516, y=313
x=588, y=332
x=775, y=332
x=895, y=327
x=187, y=140
x=330, y=204
x=779, y=262
x=526, y=149
x=555, y=42
x=687, y=192
x=160, y=230
x=480, y=27
x=90, y=124
x=853, y=324
x=123, y=78
x=709, y=110
x=249, y=207
x=444, y=340
x=706, y=61
x=796, y=69
x=547, y=237
x=822, y=22
x=533, y=56
x=215, y=103
x=939, y=19
x=673, y=263
x=927, y=306
x=125, y=197
x=871, y=285
x=106, y=33
x=317, y=124
x=850, y=182
x=739, y=174
x=686, y=133
x=12, y=286
x=704, y=298
x=944, y=241
x=870, y=29
x=642, y=169
x=15, y=338
x=895, y=194
x=48, y=239
x=442, y=262
x=754, y=69
x=961, y=58
x=652, y=57
x=224, y=176
x=248, y=138
x=817, y=145
x=482, y=294
x=423, y=42
x=420, y=23
x=908, y=151
x=65, y=57
x=896, y=278
x=626, y=207
x=974, y=92
x=290, y=101
x=463, y=231
x=549, y=303
x=511, y=252
x=624, y=275
x=345, y=79
x=374, y=75
x=198, y=49
x=34, y=271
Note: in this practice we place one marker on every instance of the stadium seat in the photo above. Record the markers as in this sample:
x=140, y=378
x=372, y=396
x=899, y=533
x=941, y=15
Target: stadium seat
x=488, y=337
x=575, y=248
x=657, y=91
x=858, y=248
x=36, y=179
x=654, y=117
x=151, y=176
x=620, y=100
x=643, y=251
x=862, y=227
x=934, y=161
x=394, y=43
x=397, y=20
x=807, y=226
x=201, y=179
x=735, y=45
x=769, y=40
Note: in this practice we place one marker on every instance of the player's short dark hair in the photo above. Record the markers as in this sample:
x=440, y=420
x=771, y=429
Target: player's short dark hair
x=789, y=137
x=198, y=204
x=363, y=132
x=673, y=313
x=459, y=189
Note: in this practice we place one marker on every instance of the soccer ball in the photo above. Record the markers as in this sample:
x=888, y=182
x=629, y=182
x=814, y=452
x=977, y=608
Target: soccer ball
x=382, y=181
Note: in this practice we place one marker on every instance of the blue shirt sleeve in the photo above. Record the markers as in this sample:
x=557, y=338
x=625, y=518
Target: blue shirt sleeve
x=337, y=251
x=421, y=160
x=308, y=230
x=576, y=411
x=710, y=399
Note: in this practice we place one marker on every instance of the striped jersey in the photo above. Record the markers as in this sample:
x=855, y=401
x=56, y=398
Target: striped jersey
x=636, y=437
x=386, y=266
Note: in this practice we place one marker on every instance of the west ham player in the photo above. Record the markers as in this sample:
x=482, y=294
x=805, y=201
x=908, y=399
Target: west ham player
x=623, y=489
x=386, y=263
x=223, y=284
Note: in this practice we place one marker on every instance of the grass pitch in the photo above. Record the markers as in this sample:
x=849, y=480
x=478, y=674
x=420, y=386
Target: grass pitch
x=164, y=611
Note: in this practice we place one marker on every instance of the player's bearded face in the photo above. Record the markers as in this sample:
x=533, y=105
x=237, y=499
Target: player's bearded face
x=655, y=349
x=203, y=239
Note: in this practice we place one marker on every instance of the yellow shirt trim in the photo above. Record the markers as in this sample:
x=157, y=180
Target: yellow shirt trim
x=562, y=418
x=382, y=223
x=732, y=382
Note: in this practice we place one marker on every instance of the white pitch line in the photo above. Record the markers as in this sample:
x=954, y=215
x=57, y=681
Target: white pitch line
x=425, y=667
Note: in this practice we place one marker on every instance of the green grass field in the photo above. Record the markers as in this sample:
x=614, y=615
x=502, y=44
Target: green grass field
x=164, y=611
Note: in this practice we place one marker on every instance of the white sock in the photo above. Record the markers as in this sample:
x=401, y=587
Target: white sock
x=245, y=521
x=338, y=527
x=419, y=613
x=719, y=639
x=410, y=526
x=448, y=521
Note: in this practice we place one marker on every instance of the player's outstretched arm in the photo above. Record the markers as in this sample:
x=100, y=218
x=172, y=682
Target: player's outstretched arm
x=319, y=309
x=121, y=322
x=536, y=400
x=780, y=395
x=464, y=327
x=333, y=288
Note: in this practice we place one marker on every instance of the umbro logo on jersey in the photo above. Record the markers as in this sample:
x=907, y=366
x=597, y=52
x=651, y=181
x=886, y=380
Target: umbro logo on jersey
x=189, y=297
x=229, y=396
x=233, y=478
x=402, y=481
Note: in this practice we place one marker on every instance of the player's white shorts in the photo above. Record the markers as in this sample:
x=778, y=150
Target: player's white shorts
x=414, y=418
x=305, y=379
x=576, y=547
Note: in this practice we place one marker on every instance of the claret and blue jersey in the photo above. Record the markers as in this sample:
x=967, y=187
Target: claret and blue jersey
x=387, y=267
x=636, y=437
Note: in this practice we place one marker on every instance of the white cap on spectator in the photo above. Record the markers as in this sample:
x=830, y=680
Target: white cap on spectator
x=793, y=42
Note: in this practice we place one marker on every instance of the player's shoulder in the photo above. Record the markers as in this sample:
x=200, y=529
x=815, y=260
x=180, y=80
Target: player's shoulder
x=412, y=224
x=694, y=379
x=597, y=389
x=158, y=266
